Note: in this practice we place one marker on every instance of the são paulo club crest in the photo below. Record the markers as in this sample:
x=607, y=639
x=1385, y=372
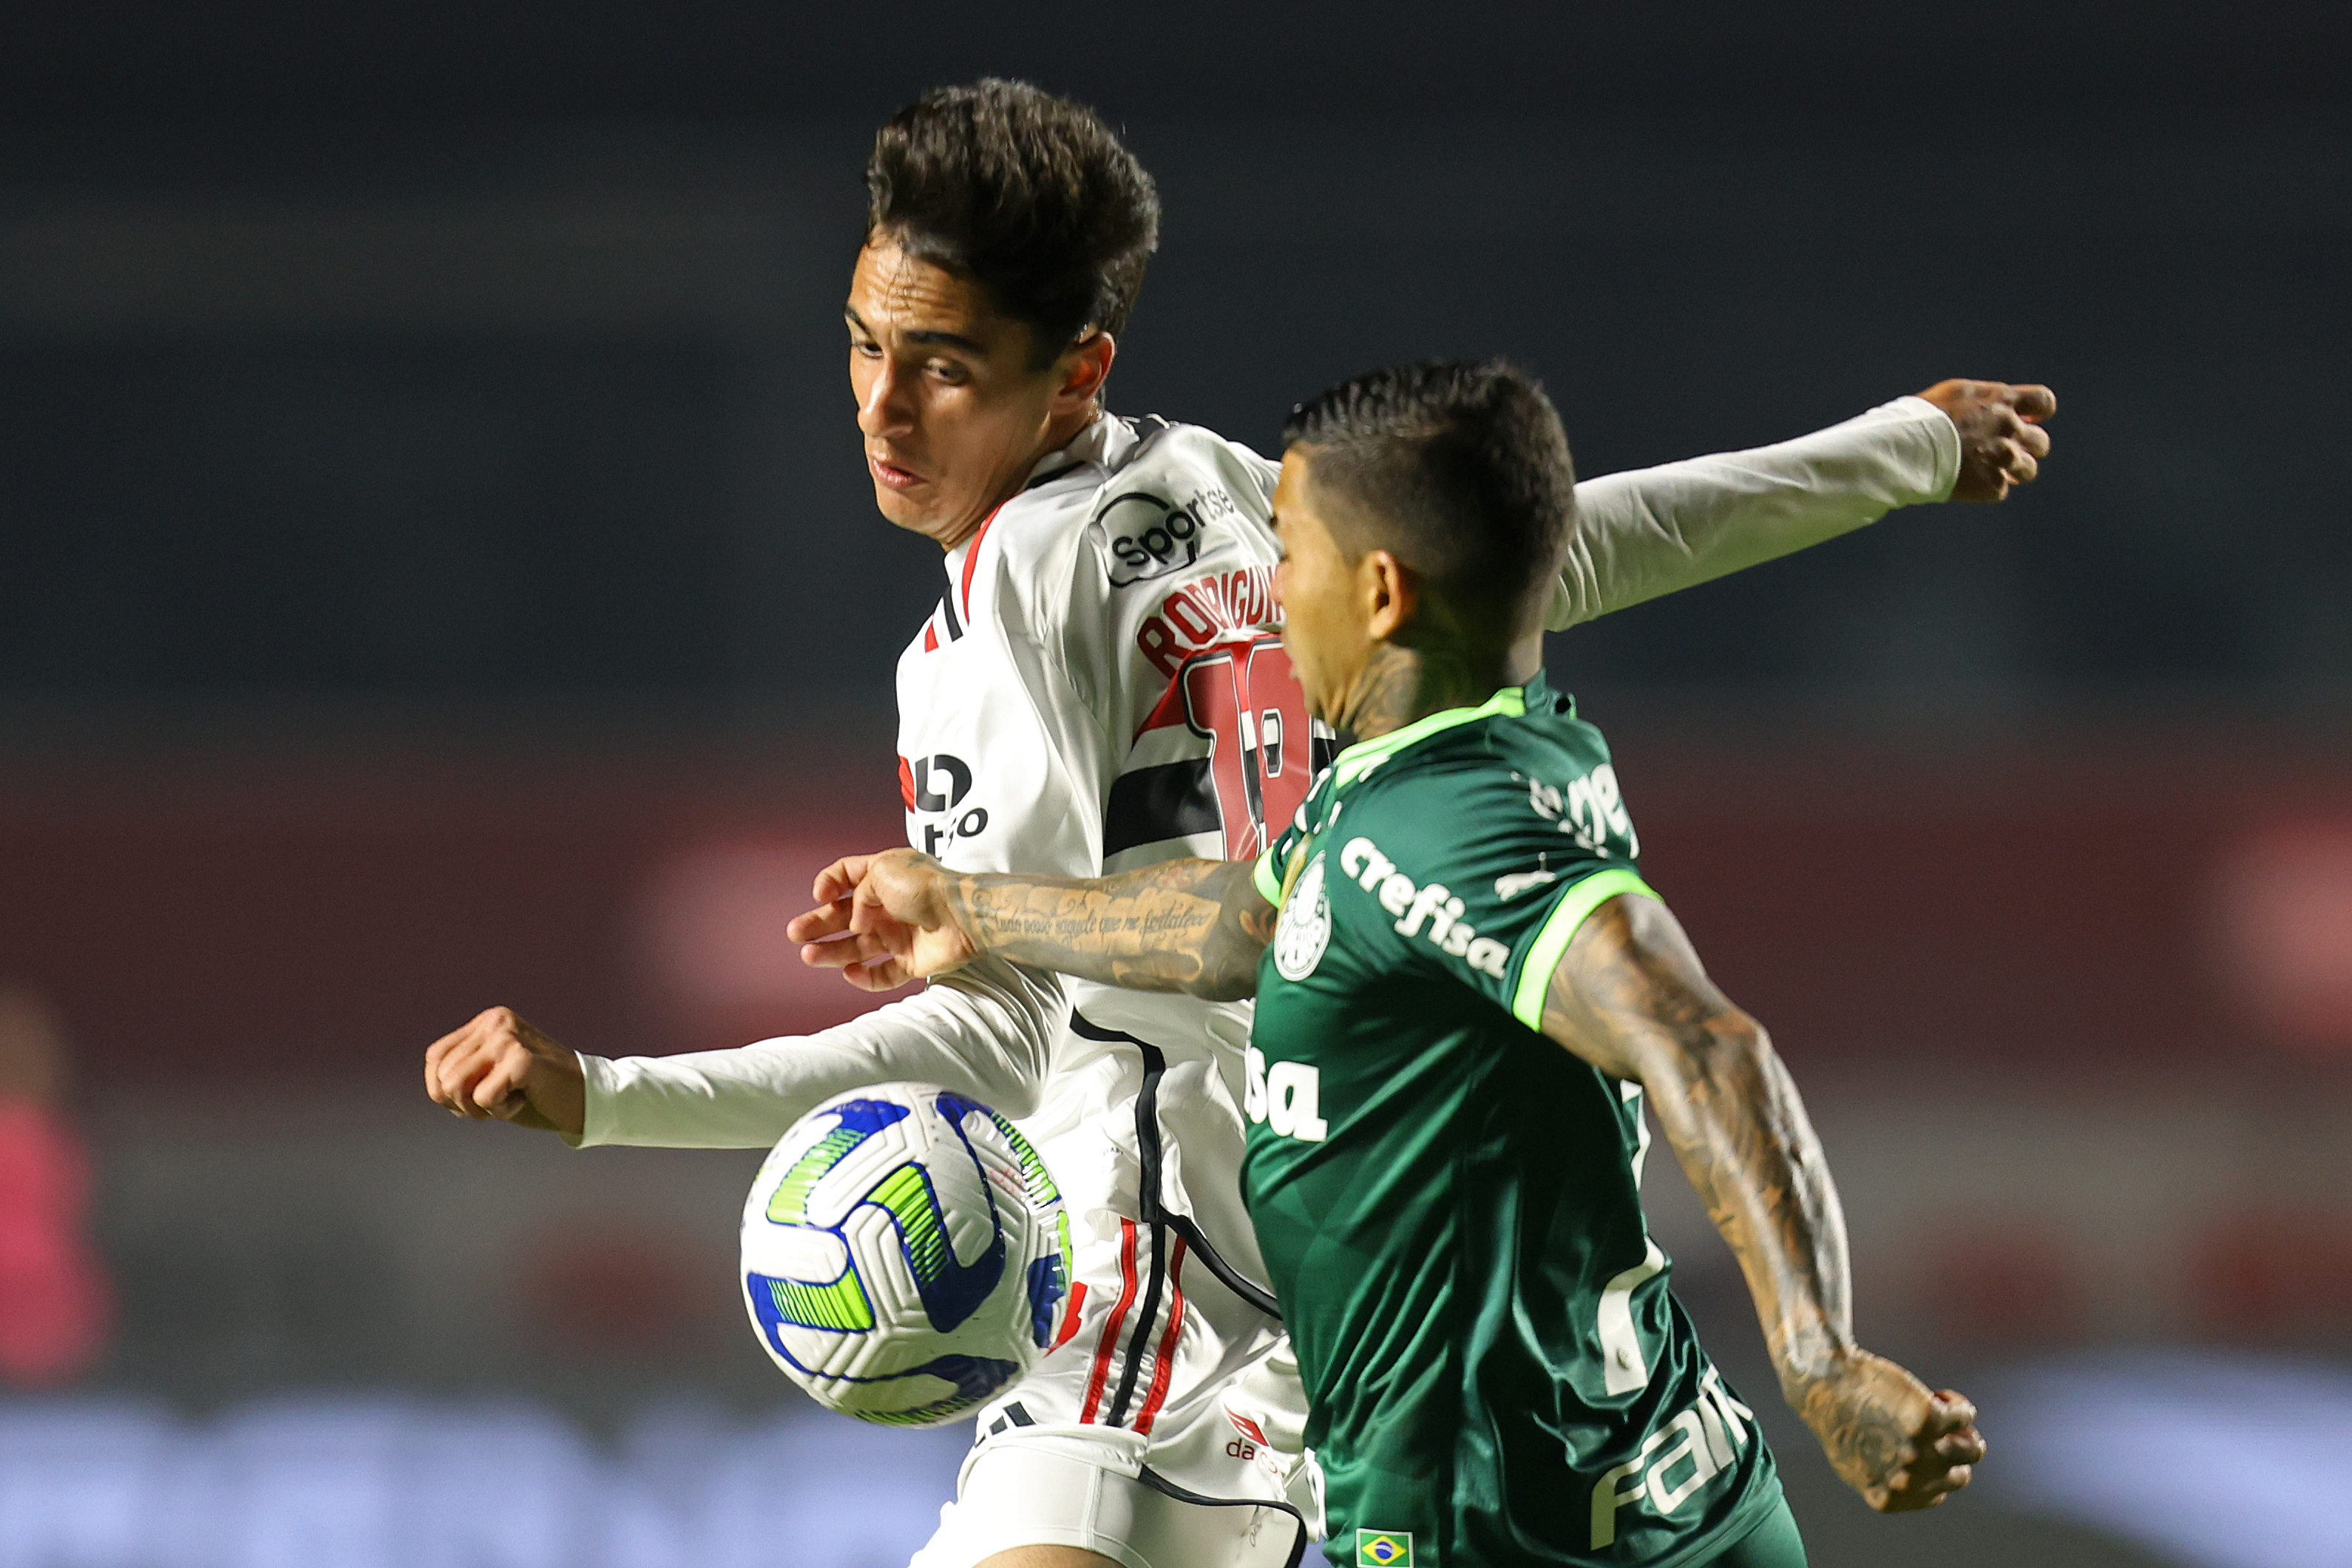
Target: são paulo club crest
x=1304, y=928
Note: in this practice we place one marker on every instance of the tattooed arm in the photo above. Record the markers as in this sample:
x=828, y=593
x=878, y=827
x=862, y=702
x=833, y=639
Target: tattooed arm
x=1193, y=925
x=1630, y=997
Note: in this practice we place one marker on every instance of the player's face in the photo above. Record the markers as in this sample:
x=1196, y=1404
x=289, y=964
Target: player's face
x=1326, y=610
x=952, y=411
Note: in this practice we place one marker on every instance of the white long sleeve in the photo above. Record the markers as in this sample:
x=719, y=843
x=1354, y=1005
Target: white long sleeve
x=987, y=1030
x=1650, y=531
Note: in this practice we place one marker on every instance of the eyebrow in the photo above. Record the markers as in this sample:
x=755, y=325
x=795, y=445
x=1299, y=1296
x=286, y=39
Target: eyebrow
x=926, y=338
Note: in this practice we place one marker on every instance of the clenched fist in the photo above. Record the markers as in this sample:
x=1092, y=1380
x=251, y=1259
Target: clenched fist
x=2002, y=439
x=499, y=1068
x=1901, y=1446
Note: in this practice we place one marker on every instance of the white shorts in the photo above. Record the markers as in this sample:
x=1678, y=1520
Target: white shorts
x=1083, y=1487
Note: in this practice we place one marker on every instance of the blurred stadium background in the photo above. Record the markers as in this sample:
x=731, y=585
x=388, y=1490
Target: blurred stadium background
x=435, y=570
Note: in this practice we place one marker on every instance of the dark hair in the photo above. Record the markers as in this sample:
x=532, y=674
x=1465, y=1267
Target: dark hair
x=1027, y=195
x=1461, y=470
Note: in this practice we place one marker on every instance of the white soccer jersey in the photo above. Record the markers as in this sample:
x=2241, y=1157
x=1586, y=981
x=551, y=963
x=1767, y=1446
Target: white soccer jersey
x=1097, y=690
x=1076, y=702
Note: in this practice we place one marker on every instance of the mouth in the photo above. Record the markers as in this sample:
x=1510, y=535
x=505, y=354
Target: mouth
x=890, y=475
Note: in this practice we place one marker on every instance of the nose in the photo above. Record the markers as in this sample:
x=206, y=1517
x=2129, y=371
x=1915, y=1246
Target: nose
x=883, y=406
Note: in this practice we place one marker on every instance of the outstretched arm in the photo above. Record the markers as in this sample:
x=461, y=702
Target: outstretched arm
x=987, y=1031
x=1653, y=531
x=1194, y=926
x=1628, y=996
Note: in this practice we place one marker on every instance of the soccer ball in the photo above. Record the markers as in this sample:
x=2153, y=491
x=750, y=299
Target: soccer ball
x=903, y=1254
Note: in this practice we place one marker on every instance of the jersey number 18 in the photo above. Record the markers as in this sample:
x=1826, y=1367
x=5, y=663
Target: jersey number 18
x=1245, y=699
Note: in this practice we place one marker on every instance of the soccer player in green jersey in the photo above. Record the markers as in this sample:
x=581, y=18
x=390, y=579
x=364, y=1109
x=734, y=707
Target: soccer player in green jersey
x=1448, y=1199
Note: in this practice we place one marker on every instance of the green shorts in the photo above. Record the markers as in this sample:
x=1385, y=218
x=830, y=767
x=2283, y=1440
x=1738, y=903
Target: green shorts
x=1773, y=1543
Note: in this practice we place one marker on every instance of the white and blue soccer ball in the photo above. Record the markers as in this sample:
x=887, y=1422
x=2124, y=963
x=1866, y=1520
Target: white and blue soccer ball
x=906, y=1255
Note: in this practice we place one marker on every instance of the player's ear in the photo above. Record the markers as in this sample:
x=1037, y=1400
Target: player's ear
x=1084, y=366
x=1390, y=594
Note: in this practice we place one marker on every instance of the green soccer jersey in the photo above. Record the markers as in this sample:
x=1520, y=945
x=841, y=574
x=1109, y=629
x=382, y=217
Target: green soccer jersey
x=1448, y=1201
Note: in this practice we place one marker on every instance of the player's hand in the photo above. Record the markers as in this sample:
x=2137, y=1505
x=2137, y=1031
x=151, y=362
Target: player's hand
x=2002, y=439
x=829, y=938
x=1900, y=1446
x=499, y=1068
x=882, y=920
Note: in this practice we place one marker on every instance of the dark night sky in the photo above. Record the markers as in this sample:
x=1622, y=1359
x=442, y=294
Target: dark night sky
x=457, y=354
x=1978, y=71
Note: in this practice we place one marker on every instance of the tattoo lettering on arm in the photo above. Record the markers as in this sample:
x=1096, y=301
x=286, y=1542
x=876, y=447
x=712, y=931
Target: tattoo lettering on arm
x=1192, y=925
x=1630, y=998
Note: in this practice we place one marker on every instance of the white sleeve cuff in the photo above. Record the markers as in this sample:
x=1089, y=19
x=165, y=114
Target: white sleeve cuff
x=1942, y=433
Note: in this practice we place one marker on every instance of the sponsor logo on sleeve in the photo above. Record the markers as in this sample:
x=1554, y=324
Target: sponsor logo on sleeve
x=1590, y=809
x=1151, y=538
x=1518, y=881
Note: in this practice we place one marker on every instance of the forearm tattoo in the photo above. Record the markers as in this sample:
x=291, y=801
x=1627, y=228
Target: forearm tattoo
x=1630, y=996
x=1192, y=925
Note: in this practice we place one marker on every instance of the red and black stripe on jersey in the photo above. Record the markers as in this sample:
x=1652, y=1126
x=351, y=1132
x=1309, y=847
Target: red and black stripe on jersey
x=947, y=613
x=1238, y=709
x=1135, y=1350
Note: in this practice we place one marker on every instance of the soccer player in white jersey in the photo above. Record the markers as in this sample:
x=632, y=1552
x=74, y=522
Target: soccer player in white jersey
x=1097, y=689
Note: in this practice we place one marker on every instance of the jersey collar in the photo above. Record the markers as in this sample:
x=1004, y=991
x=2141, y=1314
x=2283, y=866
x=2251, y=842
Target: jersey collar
x=1361, y=758
x=1105, y=443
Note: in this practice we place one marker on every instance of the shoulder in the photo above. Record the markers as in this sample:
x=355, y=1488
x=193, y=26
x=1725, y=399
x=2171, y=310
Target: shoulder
x=1505, y=803
x=1171, y=498
x=1432, y=801
x=1144, y=501
x=1459, y=854
x=1159, y=455
x=1154, y=542
x=1022, y=567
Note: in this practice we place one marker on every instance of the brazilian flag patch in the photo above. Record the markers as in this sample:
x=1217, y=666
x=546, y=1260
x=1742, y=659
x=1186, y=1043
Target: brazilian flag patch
x=1384, y=1548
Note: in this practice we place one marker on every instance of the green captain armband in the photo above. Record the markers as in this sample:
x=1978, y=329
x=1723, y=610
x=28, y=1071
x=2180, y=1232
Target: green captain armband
x=1268, y=880
x=1559, y=929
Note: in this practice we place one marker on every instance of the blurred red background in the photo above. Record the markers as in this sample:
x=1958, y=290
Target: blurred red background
x=2097, y=902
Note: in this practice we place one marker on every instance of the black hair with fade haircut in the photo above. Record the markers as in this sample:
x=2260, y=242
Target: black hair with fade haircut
x=1460, y=470
x=1029, y=195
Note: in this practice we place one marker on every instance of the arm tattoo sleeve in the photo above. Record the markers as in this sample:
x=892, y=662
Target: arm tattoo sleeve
x=1630, y=997
x=1193, y=925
